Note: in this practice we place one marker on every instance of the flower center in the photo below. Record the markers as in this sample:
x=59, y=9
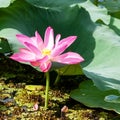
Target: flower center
x=46, y=52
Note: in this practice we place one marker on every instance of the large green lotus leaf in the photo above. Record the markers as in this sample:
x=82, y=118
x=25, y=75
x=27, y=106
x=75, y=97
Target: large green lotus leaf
x=52, y=4
x=95, y=12
x=104, y=69
x=91, y=96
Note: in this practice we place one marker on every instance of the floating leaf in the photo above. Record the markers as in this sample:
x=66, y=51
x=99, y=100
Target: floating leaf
x=34, y=87
x=91, y=96
x=70, y=70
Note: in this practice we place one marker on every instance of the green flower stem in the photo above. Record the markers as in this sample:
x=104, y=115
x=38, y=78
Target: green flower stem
x=47, y=89
x=57, y=79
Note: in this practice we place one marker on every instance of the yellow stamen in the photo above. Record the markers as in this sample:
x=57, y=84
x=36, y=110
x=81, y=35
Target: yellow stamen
x=46, y=52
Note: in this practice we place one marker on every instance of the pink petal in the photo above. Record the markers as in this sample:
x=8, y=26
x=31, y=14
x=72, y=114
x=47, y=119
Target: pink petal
x=58, y=50
x=33, y=41
x=16, y=57
x=45, y=66
x=35, y=63
x=69, y=58
x=22, y=57
x=33, y=52
x=49, y=38
x=33, y=49
x=39, y=40
x=23, y=38
x=35, y=107
x=67, y=41
x=39, y=61
x=57, y=39
x=25, y=51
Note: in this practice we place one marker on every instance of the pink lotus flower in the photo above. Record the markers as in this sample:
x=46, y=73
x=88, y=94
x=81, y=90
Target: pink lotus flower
x=41, y=53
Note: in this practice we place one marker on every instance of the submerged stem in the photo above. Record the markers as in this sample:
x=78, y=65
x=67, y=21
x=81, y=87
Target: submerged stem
x=57, y=79
x=47, y=89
